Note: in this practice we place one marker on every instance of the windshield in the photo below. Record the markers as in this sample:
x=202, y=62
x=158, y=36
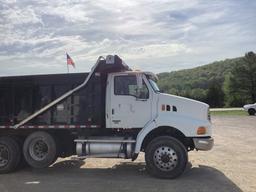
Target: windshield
x=154, y=85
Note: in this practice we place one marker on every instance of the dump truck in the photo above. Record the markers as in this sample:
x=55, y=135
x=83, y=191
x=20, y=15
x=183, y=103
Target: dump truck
x=111, y=112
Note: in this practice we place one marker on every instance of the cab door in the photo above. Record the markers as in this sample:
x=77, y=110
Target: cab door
x=128, y=108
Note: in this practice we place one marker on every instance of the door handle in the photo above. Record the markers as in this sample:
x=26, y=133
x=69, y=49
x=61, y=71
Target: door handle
x=113, y=111
x=137, y=99
x=116, y=121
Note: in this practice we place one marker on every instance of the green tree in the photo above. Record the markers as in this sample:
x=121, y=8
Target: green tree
x=215, y=95
x=199, y=94
x=232, y=98
x=236, y=77
x=242, y=82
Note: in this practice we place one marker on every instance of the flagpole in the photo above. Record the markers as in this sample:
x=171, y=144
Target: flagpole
x=67, y=63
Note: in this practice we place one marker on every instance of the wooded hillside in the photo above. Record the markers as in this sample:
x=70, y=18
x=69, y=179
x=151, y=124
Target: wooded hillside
x=210, y=83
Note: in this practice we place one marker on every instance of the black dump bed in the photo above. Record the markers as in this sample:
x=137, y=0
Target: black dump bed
x=21, y=96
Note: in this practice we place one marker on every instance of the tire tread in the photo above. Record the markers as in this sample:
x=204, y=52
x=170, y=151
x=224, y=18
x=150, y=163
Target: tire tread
x=180, y=150
x=15, y=154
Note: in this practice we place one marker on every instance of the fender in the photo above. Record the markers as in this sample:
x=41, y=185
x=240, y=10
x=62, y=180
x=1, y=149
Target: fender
x=142, y=134
x=187, y=125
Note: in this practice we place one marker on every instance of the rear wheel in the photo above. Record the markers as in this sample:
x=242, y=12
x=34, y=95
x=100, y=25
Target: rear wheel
x=10, y=154
x=40, y=150
x=251, y=111
x=166, y=157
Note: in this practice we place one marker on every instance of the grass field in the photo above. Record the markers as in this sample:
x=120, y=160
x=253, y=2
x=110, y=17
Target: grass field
x=231, y=112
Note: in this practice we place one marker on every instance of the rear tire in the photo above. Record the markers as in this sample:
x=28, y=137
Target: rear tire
x=40, y=149
x=10, y=154
x=166, y=157
x=251, y=111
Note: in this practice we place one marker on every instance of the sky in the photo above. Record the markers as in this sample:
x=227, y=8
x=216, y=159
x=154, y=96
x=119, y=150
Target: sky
x=157, y=36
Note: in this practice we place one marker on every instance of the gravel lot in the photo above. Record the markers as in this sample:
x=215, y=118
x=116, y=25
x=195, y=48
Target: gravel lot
x=230, y=166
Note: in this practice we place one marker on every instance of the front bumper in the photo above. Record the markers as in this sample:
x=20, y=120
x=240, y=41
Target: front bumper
x=203, y=144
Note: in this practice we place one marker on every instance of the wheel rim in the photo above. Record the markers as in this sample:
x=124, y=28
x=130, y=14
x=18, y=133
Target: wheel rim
x=38, y=149
x=165, y=158
x=4, y=155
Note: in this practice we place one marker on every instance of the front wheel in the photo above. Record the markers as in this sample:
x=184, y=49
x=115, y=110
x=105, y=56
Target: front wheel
x=251, y=111
x=166, y=157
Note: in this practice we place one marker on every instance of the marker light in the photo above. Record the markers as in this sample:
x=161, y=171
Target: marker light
x=201, y=130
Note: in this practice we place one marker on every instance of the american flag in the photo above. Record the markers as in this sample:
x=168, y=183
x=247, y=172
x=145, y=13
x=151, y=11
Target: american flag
x=70, y=61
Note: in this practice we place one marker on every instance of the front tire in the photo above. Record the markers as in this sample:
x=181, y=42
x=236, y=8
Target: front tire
x=251, y=111
x=10, y=154
x=40, y=149
x=166, y=157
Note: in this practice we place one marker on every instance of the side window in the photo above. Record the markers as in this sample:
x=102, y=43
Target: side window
x=127, y=85
x=143, y=93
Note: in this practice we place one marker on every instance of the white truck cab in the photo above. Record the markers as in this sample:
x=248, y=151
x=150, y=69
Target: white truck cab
x=124, y=113
x=134, y=101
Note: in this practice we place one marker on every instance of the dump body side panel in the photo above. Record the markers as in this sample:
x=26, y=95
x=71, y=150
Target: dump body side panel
x=21, y=96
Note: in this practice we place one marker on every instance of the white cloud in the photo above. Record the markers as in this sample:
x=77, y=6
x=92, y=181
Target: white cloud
x=17, y=16
x=138, y=51
x=71, y=13
x=35, y=35
x=208, y=17
x=8, y=1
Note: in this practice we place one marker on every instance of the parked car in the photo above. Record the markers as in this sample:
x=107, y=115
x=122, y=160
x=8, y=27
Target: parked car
x=250, y=108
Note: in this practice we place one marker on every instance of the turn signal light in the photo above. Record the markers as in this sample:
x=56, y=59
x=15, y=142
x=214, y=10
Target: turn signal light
x=201, y=130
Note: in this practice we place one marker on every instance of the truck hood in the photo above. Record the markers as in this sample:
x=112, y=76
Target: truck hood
x=184, y=106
